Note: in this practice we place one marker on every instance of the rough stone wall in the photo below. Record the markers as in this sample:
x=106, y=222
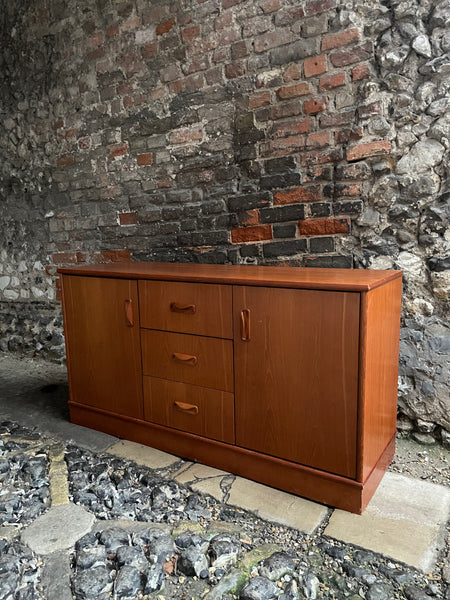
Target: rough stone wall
x=309, y=133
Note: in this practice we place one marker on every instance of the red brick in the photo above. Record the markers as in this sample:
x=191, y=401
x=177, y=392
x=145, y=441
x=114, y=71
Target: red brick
x=292, y=73
x=316, y=65
x=145, y=159
x=281, y=111
x=258, y=99
x=234, y=70
x=191, y=32
x=314, y=7
x=360, y=72
x=229, y=3
x=164, y=183
x=270, y=6
x=58, y=124
x=112, y=30
x=335, y=40
x=186, y=135
x=65, y=161
x=116, y=255
x=165, y=26
x=303, y=194
x=292, y=91
x=315, y=105
x=347, y=189
x=50, y=271
x=273, y=39
x=324, y=226
x=64, y=258
x=251, y=234
x=70, y=133
x=97, y=54
x=313, y=158
x=84, y=143
x=337, y=119
x=330, y=82
x=293, y=127
x=117, y=150
x=367, y=149
x=128, y=218
x=369, y=110
x=131, y=23
x=96, y=39
x=149, y=50
x=283, y=146
x=239, y=50
x=318, y=140
x=342, y=58
x=192, y=83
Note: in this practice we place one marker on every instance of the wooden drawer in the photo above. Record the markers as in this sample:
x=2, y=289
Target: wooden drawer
x=203, y=411
x=203, y=361
x=199, y=308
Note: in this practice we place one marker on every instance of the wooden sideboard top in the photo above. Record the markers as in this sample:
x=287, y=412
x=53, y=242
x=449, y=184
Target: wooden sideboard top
x=357, y=280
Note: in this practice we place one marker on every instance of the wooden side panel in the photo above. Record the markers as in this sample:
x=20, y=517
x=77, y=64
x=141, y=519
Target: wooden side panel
x=294, y=478
x=203, y=361
x=380, y=330
x=296, y=379
x=200, y=308
x=198, y=410
x=104, y=357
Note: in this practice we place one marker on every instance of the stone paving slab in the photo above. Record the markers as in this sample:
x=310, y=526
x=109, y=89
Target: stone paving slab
x=58, y=529
x=404, y=521
x=142, y=455
x=204, y=479
x=274, y=505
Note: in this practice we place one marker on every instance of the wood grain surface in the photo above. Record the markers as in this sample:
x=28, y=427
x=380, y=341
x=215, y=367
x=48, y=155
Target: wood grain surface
x=295, y=277
x=297, y=378
x=199, y=308
x=168, y=403
x=104, y=354
x=213, y=368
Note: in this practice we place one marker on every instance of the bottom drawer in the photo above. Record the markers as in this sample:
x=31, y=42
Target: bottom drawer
x=203, y=411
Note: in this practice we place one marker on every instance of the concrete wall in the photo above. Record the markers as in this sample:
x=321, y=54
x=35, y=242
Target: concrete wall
x=310, y=133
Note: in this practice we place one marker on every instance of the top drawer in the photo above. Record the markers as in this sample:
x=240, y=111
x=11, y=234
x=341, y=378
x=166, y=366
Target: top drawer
x=198, y=308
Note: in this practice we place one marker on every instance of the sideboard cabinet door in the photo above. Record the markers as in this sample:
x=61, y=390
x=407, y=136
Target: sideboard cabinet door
x=296, y=375
x=103, y=346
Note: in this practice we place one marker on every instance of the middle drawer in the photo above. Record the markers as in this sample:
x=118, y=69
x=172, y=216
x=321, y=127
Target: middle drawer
x=203, y=361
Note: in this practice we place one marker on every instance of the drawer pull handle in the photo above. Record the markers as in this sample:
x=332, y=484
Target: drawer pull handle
x=129, y=312
x=191, y=409
x=245, y=325
x=187, y=309
x=186, y=359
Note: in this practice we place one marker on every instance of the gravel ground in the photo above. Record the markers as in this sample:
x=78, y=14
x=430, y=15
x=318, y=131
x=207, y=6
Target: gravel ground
x=222, y=548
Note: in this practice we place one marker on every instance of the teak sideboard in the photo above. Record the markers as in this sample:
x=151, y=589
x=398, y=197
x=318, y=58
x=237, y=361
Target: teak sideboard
x=284, y=375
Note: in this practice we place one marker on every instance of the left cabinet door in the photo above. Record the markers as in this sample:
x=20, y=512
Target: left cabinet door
x=101, y=320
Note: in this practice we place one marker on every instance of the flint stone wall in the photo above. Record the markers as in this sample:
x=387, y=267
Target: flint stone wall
x=311, y=133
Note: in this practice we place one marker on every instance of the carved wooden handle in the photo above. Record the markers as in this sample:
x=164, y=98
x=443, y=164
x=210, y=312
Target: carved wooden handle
x=129, y=312
x=187, y=309
x=186, y=359
x=191, y=409
x=245, y=325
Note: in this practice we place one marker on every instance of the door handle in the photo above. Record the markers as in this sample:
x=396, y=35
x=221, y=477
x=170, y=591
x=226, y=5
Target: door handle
x=186, y=359
x=191, y=409
x=245, y=325
x=187, y=309
x=129, y=312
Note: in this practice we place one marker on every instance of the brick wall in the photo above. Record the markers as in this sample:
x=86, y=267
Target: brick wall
x=243, y=131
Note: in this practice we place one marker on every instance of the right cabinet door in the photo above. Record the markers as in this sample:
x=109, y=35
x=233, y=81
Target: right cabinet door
x=296, y=375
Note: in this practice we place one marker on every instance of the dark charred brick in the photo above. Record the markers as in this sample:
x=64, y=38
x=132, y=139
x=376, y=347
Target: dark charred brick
x=279, y=214
x=285, y=248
